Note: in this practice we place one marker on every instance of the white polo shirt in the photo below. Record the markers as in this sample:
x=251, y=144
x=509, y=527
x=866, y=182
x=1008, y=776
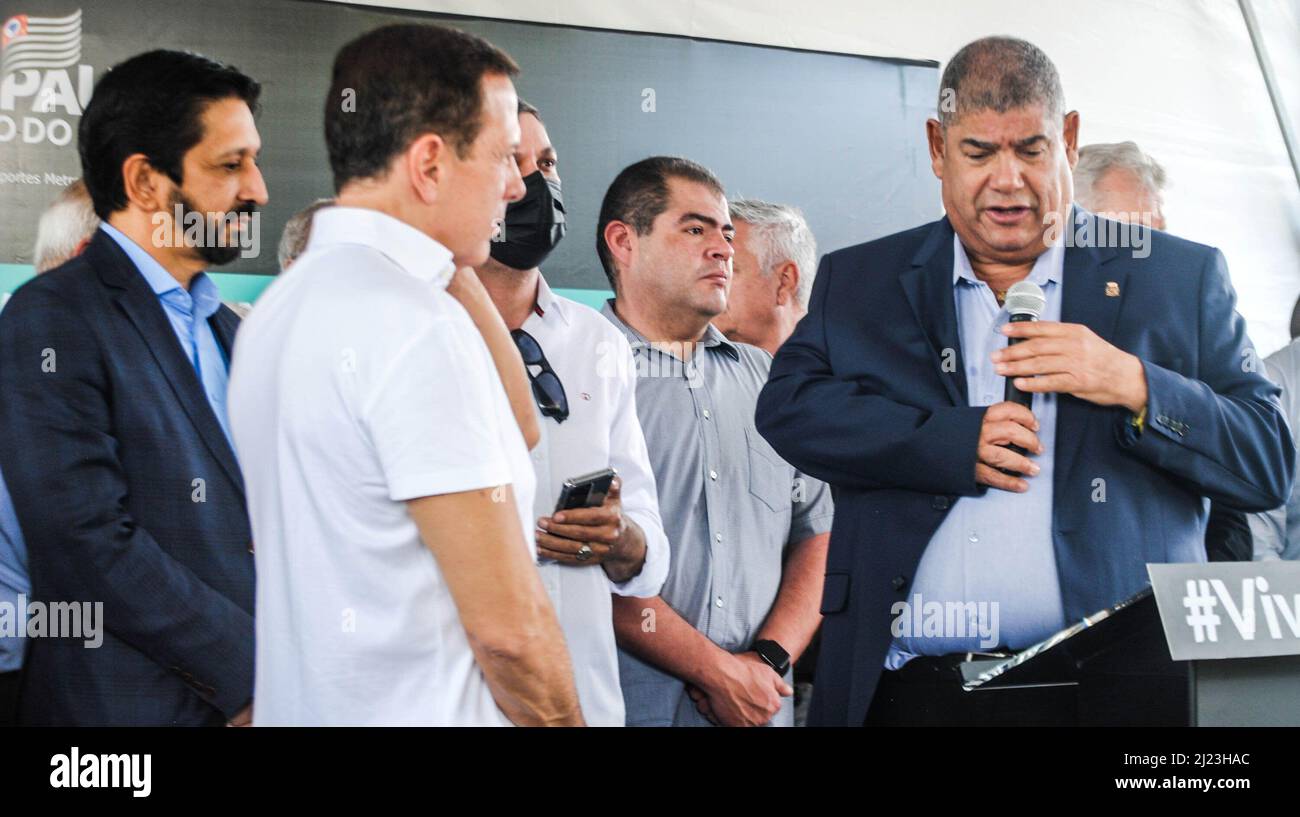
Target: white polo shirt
x=359, y=383
x=594, y=363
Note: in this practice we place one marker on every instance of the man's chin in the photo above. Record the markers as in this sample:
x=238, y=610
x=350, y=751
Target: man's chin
x=710, y=308
x=476, y=257
x=218, y=256
x=1003, y=244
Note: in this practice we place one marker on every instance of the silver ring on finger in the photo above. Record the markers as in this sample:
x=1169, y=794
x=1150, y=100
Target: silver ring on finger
x=584, y=553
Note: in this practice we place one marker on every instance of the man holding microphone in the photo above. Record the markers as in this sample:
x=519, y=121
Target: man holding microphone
x=892, y=390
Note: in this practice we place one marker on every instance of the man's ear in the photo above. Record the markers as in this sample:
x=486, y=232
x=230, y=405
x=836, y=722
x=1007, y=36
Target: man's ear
x=621, y=240
x=426, y=165
x=934, y=138
x=787, y=285
x=1071, y=135
x=144, y=184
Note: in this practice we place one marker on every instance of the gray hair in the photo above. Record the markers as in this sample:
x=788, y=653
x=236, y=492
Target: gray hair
x=780, y=234
x=999, y=73
x=1097, y=160
x=297, y=232
x=67, y=222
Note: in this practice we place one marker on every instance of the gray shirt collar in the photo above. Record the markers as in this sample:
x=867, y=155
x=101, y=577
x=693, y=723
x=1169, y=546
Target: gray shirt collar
x=712, y=340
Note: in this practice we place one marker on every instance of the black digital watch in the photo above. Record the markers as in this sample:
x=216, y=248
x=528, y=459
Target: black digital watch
x=773, y=654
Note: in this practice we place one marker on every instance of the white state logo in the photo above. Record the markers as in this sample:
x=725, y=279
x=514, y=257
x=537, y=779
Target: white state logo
x=40, y=42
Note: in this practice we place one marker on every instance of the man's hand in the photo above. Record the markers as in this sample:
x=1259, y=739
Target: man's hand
x=244, y=717
x=1071, y=358
x=1004, y=423
x=615, y=542
x=702, y=703
x=741, y=691
x=465, y=286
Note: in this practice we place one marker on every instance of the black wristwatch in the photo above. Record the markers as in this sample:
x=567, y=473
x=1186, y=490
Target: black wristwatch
x=773, y=654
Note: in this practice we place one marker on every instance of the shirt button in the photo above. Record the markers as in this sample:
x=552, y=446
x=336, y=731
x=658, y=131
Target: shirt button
x=718, y=601
x=713, y=475
x=974, y=537
x=717, y=537
x=706, y=414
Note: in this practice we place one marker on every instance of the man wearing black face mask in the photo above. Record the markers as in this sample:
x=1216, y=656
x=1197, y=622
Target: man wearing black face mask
x=584, y=382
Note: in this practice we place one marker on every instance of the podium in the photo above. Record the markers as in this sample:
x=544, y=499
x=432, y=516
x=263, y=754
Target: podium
x=1205, y=645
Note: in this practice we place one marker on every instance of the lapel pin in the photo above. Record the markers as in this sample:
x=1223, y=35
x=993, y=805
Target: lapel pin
x=1112, y=289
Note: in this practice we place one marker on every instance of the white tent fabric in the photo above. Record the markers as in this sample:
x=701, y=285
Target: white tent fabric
x=1179, y=77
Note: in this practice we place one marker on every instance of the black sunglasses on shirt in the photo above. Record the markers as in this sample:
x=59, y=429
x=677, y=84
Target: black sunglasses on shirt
x=547, y=388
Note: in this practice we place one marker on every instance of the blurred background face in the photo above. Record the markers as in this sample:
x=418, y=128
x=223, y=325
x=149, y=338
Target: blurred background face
x=752, y=302
x=219, y=177
x=473, y=190
x=1006, y=179
x=1121, y=195
x=535, y=151
x=684, y=262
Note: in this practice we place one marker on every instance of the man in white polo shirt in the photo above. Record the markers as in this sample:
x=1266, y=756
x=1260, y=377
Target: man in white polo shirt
x=388, y=480
x=584, y=381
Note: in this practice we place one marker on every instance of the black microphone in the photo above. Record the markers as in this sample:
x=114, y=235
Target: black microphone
x=1025, y=302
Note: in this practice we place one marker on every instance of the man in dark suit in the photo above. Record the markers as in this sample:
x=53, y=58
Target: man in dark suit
x=1144, y=403
x=113, y=432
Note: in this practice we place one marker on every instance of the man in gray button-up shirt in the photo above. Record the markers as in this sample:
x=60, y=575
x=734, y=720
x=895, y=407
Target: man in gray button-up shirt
x=748, y=533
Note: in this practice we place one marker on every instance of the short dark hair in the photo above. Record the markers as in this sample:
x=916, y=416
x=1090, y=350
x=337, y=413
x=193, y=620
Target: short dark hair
x=524, y=108
x=405, y=80
x=153, y=104
x=998, y=73
x=639, y=194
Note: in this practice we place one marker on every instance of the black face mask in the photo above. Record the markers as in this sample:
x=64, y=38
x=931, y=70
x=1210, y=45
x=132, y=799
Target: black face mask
x=534, y=224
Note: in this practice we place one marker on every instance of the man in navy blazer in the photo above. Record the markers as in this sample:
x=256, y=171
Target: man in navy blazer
x=1146, y=400
x=113, y=435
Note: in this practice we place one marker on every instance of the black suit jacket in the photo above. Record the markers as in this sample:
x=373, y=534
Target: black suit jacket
x=128, y=493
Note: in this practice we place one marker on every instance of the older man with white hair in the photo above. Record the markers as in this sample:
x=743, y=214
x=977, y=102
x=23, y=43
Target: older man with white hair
x=65, y=228
x=1120, y=181
x=297, y=232
x=773, y=269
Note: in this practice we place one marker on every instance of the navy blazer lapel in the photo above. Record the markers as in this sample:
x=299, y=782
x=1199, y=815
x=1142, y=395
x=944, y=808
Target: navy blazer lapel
x=928, y=285
x=1092, y=295
x=225, y=323
x=140, y=303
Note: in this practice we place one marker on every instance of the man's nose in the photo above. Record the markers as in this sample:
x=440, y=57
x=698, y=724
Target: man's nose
x=1008, y=174
x=515, y=184
x=722, y=249
x=254, y=187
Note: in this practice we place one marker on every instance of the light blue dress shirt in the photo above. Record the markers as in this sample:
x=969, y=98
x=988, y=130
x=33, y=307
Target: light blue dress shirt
x=995, y=548
x=188, y=313
x=13, y=583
